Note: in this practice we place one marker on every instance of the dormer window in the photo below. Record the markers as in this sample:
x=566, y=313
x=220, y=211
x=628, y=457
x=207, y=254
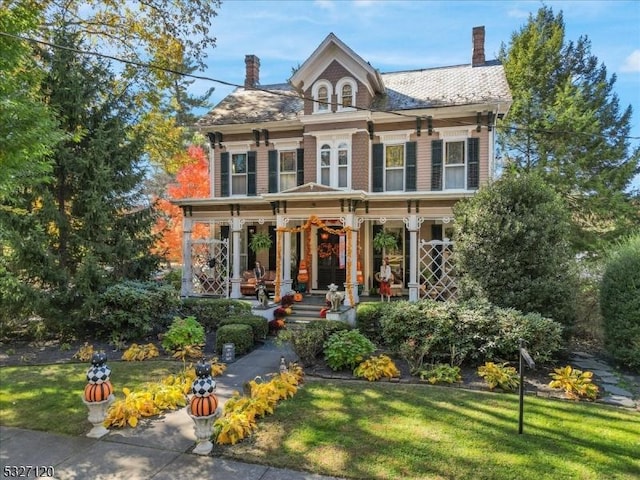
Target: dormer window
x=322, y=95
x=346, y=89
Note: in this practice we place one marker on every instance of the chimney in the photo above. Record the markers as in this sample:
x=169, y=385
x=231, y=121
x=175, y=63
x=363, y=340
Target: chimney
x=252, y=77
x=477, y=37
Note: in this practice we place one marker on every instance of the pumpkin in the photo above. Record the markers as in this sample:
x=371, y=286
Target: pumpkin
x=98, y=358
x=359, y=275
x=203, y=406
x=323, y=313
x=303, y=274
x=297, y=297
x=97, y=392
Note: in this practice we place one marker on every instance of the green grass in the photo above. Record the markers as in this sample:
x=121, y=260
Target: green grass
x=392, y=431
x=49, y=397
x=374, y=430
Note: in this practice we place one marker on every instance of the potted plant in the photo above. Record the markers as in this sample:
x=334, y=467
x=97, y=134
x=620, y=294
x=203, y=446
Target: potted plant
x=260, y=241
x=384, y=241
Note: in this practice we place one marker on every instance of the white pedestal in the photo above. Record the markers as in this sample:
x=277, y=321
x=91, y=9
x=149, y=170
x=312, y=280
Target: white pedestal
x=267, y=313
x=97, y=414
x=203, y=428
x=345, y=314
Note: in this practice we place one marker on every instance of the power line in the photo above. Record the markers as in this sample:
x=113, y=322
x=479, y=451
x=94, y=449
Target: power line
x=289, y=95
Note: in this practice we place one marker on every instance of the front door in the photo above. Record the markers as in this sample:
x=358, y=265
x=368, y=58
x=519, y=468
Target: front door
x=331, y=260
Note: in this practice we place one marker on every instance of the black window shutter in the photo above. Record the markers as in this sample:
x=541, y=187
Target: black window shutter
x=273, y=171
x=473, y=168
x=251, y=174
x=410, y=167
x=300, y=165
x=224, y=174
x=378, y=167
x=436, y=165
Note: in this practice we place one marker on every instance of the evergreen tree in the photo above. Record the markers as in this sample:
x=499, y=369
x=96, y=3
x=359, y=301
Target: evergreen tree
x=566, y=124
x=89, y=226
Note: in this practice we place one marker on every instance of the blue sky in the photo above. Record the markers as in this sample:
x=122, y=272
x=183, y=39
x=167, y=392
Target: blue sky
x=403, y=35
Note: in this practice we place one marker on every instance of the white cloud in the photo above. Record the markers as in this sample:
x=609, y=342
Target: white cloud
x=517, y=13
x=632, y=62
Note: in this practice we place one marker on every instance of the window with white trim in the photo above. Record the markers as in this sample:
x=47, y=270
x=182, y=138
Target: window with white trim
x=346, y=90
x=287, y=169
x=335, y=163
x=322, y=92
x=454, y=165
x=394, y=167
x=238, y=174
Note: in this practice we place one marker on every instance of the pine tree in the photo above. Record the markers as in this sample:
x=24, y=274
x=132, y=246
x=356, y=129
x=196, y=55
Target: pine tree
x=566, y=124
x=89, y=226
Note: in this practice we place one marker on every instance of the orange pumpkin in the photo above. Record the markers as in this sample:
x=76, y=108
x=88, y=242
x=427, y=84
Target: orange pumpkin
x=303, y=273
x=204, y=406
x=97, y=392
x=297, y=297
x=359, y=276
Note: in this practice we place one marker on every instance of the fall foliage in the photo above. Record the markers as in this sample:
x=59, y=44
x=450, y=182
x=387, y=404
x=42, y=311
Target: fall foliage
x=192, y=181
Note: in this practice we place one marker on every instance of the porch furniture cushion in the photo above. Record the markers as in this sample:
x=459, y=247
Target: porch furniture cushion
x=248, y=282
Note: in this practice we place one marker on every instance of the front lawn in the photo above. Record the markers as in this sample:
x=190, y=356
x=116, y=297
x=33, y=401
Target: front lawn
x=49, y=397
x=398, y=431
x=374, y=430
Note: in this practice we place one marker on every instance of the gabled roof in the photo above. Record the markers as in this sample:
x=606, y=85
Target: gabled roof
x=333, y=49
x=415, y=89
x=312, y=187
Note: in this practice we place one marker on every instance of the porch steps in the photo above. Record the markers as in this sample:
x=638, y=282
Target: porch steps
x=303, y=314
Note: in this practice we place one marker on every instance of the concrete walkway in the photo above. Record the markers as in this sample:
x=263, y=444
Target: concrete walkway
x=157, y=448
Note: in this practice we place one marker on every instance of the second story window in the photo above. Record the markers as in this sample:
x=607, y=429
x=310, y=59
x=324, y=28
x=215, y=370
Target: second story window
x=239, y=174
x=454, y=165
x=287, y=170
x=335, y=164
x=347, y=96
x=323, y=99
x=394, y=167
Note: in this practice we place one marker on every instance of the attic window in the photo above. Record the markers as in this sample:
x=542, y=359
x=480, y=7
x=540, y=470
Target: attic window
x=346, y=89
x=322, y=96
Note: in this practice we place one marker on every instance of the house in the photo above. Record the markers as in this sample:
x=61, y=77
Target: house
x=325, y=162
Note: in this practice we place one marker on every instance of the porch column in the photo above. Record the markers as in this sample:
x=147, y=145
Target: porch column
x=285, y=257
x=413, y=223
x=351, y=280
x=236, y=224
x=287, y=284
x=186, y=288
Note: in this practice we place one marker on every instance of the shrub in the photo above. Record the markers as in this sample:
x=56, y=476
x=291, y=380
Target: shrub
x=183, y=332
x=474, y=331
x=308, y=343
x=620, y=303
x=209, y=311
x=512, y=248
x=239, y=334
x=368, y=315
x=258, y=324
x=133, y=310
x=346, y=349
x=499, y=375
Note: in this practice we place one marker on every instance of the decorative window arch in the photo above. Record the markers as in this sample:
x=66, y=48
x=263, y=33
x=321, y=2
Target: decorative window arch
x=346, y=90
x=322, y=92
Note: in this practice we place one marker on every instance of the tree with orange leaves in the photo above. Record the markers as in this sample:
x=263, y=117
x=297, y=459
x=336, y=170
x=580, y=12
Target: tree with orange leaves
x=192, y=181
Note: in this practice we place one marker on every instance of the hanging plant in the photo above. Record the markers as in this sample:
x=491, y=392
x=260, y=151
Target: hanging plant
x=260, y=241
x=385, y=241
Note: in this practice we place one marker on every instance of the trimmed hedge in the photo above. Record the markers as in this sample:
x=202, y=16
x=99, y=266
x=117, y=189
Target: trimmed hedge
x=368, y=315
x=258, y=324
x=239, y=334
x=209, y=311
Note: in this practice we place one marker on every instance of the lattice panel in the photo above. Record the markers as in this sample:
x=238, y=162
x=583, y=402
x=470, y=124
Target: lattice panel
x=210, y=267
x=436, y=275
